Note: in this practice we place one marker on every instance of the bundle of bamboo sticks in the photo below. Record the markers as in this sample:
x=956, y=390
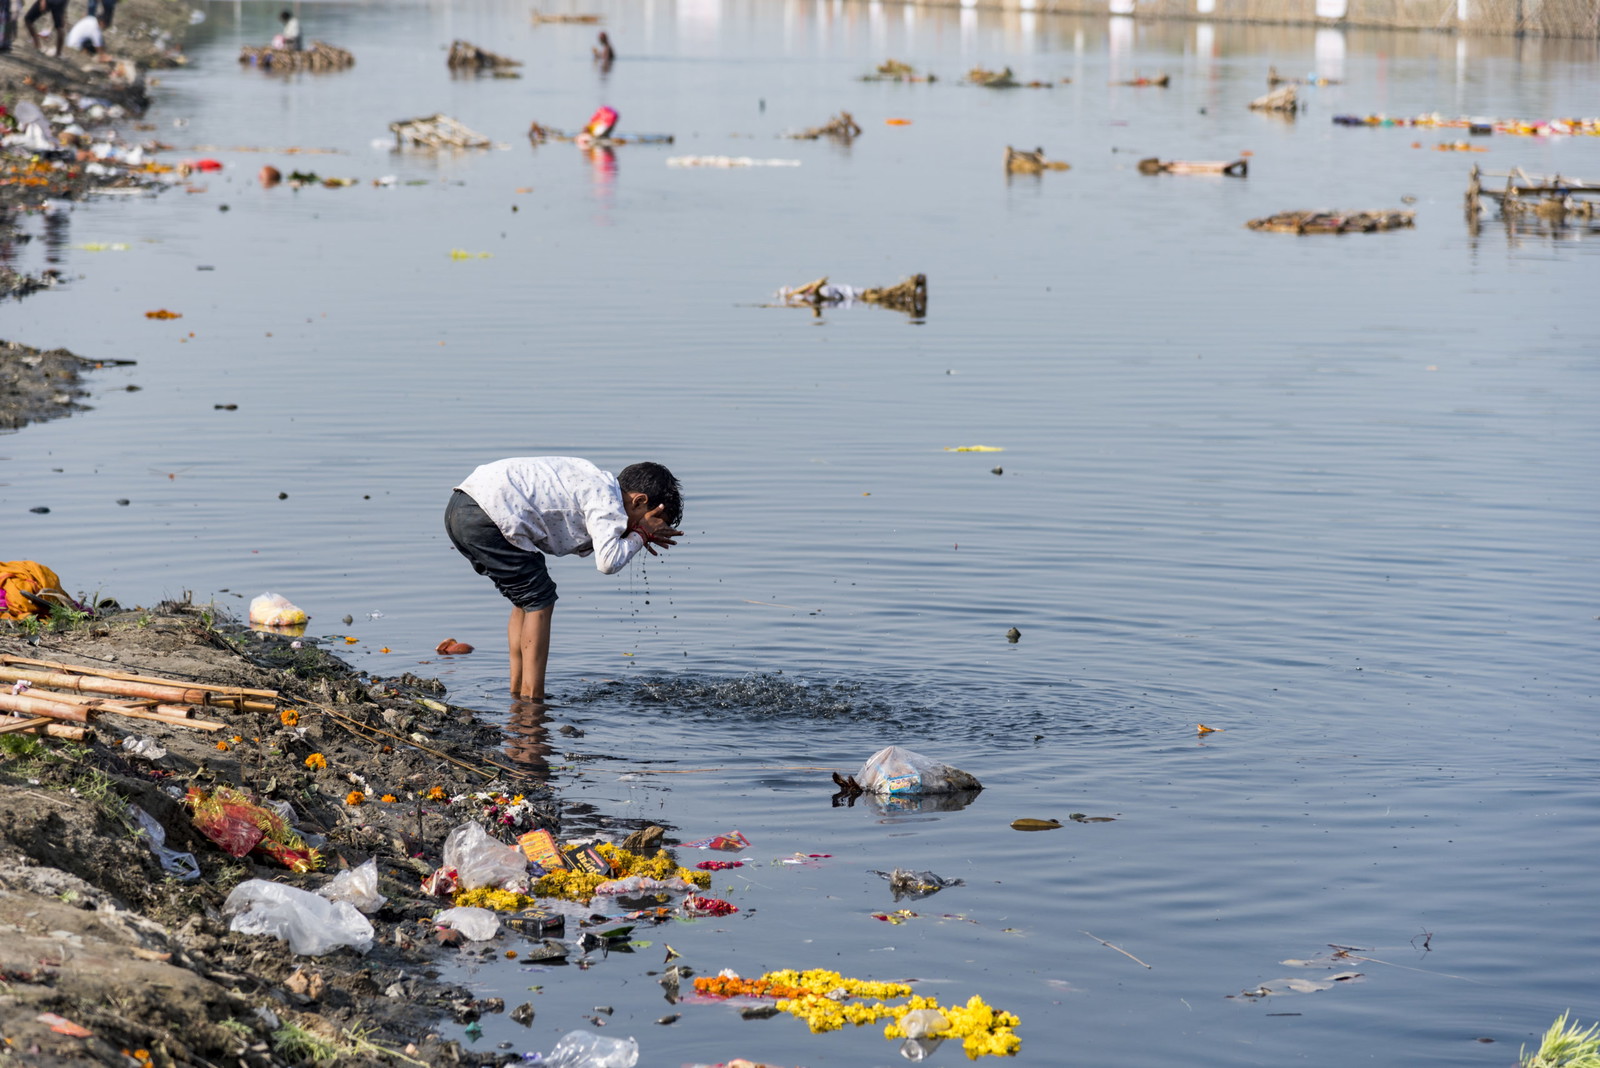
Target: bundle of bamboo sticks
x=61, y=700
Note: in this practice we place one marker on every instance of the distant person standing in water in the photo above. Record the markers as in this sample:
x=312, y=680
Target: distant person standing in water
x=604, y=54
x=289, y=38
x=508, y=514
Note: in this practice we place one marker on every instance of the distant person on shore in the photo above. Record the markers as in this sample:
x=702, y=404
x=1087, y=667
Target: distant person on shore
x=86, y=34
x=103, y=10
x=604, y=54
x=507, y=515
x=289, y=37
x=58, y=21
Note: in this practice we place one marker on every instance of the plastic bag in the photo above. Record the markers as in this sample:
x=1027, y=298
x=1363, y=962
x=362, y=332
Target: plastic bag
x=643, y=884
x=359, y=886
x=923, y=1023
x=900, y=771
x=182, y=865
x=310, y=924
x=585, y=1049
x=274, y=610
x=481, y=861
x=143, y=747
x=237, y=824
x=480, y=925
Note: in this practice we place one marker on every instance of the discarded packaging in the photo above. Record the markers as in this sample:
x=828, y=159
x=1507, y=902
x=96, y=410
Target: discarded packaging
x=359, y=886
x=182, y=865
x=479, y=925
x=274, y=610
x=732, y=842
x=894, y=770
x=238, y=825
x=540, y=848
x=144, y=748
x=1282, y=100
x=437, y=131
x=479, y=860
x=923, y=1023
x=643, y=884
x=585, y=1049
x=906, y=883
x=310, y=924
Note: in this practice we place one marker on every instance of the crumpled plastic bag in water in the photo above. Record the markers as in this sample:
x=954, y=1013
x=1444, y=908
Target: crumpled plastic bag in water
x=585, y=1049
x=480, y=925
x=359, y=886
x=898, y=771
x=479, y=860
x=274, y=610
x=311, y=925
x=907, y=883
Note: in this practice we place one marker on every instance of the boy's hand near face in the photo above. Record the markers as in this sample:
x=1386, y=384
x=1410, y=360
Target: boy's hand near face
x=650, y=525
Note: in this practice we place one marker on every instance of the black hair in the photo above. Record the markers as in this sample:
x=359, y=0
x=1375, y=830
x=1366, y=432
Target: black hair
x=658, y=485
x=285, y=16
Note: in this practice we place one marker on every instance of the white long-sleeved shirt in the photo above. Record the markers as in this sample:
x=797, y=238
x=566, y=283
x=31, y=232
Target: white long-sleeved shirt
x=559, y=505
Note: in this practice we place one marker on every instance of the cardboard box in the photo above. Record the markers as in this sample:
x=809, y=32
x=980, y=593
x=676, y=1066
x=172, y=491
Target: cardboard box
x=540, y=848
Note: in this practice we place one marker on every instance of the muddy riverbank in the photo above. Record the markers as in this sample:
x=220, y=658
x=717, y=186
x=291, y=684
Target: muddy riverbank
x=140, y=965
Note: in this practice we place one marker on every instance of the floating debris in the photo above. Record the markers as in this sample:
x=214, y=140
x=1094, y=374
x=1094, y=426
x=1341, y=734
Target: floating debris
x=993, y=79
x=729, y=161
x=1284, y=100
x=437, y=131
x=910, y=295
x=1019, y=161
x=321, y=56
x=1237, y=169
x=1550, y=197
x=1160, y=81
x=1274, y=79
x=1482, y=126
x=464, y=55
x=842, y=126
x=581, y=19
x=1332, y=222
x=892, y=70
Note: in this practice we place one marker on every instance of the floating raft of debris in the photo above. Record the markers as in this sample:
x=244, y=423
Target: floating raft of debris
x=1274, y=79
x=1333, y=222
x=464, y=55
x=1546, y=196
x=1160, y=81
x=1481, y=126
x=1020, y=161
x=892, y=70
x=1237, y=169
x=321, y=56
x=539, y=133
x=64, y=700
x=1285, y=100
x=842, y=126
x=584, y=20
x=910, y=295
x=437, y=131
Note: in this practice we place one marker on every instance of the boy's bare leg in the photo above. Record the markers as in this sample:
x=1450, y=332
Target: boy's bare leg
x=535, y=646
x=513, y=641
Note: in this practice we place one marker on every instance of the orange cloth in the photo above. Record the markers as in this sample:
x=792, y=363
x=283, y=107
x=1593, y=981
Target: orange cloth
x=26, y=576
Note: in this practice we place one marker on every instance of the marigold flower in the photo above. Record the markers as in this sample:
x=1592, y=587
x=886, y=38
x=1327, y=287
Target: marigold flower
x=436, y=794
x=389, y=799
x=354, y=797
x=316, y=760
x=289, y=717
x=222, y=746
x=236, y=739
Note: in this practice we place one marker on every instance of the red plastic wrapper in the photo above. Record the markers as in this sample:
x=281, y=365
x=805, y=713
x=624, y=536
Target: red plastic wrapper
x=238, y=826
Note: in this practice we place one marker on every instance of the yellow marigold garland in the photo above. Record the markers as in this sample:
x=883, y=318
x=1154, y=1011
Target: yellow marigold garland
x=984, y=1031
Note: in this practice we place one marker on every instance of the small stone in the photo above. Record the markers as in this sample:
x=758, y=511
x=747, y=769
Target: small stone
x=347, y=619
x=40, y=510
x=673, y=1018
x=283, y=496
x=122, y=502
x=997, y=470
x=566, y=728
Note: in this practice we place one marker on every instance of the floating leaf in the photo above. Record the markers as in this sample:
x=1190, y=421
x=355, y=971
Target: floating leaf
x=1035, y=825
x=1078, y=817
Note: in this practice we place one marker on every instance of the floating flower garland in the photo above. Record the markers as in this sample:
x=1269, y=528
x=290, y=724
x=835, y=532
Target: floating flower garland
x=819, y=998
x=580, y=885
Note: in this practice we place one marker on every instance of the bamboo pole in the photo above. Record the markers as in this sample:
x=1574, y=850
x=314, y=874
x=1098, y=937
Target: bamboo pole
x=171, y=721
x=39, y=706
x=13, y=726
x=70, y=731
x=56, y=665
x=169, y=691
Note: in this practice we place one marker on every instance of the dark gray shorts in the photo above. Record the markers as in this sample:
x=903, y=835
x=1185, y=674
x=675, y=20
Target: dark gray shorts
x=519, y=574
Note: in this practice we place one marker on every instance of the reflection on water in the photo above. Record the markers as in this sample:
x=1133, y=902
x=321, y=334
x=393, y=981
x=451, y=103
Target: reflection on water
x=527, y=738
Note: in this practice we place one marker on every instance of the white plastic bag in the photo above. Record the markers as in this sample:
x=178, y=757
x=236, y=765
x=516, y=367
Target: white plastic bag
x=923, y=1023
x=896, y=771
x=359, y=886
x=480, y=925
x=585, y=1049
x=482, y=861
x=310, y=924
x=644, y=884
x=274, y=610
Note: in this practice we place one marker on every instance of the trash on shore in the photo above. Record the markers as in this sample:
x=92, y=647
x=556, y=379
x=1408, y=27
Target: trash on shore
x=319, y=56
x=1239, y=168
x=464, y=55
x=1160, y=81
x=312, y=925
x=1551, y=197
x=182, y=866
x=578, y=19
x=474, y=861
x=437, y=131
x=358, y=885
x=239, y=826
x=29, y=589
x=842, y=127
x=274, y=610
x=893, y=770
x=585, y=1049
x=1333, y=222
x=1020, y=161
x=892, y=70
x=478, y=924
x=909, y=295
x=1284, y=100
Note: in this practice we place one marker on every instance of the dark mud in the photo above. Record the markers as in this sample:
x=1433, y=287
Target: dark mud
x=94, y=931
x=37, y=385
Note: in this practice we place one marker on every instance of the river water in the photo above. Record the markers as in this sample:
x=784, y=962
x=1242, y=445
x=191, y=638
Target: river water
x=1333, y=496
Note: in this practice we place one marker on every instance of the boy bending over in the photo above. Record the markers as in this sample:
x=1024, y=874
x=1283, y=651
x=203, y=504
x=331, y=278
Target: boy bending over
x=508, y=514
